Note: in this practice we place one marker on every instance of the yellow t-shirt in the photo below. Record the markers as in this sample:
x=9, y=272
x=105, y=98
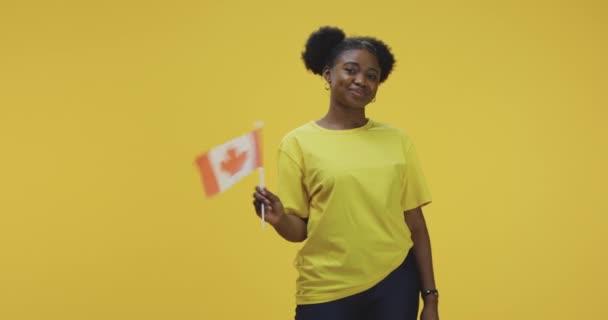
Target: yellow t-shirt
x=353, y=187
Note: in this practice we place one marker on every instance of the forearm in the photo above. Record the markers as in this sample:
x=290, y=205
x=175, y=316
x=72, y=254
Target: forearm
x=291, y=228
x=422, y=250
x=424, y=258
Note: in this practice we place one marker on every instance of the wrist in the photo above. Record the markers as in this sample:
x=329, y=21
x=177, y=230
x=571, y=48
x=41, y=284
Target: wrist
x=431, y=301
x=430, y=296
x=280, y=221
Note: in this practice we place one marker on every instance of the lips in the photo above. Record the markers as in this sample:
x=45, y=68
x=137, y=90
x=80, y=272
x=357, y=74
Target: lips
x=359, y=92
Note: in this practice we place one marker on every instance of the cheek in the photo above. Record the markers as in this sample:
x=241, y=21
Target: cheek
x=374, y=89
x=340, y=78
x=341, y=84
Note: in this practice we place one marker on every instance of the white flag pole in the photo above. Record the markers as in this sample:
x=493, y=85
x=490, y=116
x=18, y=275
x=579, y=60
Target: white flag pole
x=261, y=170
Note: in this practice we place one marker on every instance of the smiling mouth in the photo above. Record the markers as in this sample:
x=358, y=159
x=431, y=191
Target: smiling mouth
x=358, y=93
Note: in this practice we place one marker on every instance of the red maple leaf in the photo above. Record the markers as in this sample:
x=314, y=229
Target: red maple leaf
x=233, y=162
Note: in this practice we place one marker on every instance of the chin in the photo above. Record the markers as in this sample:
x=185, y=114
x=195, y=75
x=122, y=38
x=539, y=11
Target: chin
x=355, y=103
x=359, y=104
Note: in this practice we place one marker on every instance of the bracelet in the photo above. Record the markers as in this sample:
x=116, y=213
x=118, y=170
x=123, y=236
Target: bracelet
x=431, y=292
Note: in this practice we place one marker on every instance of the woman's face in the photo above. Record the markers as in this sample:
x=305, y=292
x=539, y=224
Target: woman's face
x=354, y=78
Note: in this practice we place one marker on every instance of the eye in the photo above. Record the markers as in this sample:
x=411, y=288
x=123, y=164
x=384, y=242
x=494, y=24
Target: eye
x=350, y=70
x=372, y=77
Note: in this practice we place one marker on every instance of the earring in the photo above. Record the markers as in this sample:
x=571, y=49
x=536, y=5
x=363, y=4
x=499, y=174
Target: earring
x=327, y=86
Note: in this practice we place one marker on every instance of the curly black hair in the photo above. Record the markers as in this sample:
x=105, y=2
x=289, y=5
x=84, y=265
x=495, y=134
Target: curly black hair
x=326, y=44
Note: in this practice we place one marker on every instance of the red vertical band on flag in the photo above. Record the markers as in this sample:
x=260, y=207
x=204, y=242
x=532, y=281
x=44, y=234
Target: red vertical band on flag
x=207, y=175
x=257, y=138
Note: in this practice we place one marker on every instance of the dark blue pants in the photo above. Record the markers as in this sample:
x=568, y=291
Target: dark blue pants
x=394, y=298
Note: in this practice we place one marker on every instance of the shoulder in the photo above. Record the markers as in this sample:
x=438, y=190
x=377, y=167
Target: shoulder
x=296, y=134
x=393, y=131
x=290, y=143
x=382, y=126
x=299, y=131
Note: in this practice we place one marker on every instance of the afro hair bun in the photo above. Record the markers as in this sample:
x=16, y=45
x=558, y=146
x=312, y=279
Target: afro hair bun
x=319, y=47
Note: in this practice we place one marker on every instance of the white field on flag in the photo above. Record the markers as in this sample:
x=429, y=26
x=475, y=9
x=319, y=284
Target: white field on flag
x=235, y=159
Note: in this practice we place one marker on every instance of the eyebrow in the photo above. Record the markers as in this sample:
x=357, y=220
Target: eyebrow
x=352, y=62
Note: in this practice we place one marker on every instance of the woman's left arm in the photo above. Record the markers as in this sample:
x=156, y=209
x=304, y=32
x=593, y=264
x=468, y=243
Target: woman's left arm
x=422, y=250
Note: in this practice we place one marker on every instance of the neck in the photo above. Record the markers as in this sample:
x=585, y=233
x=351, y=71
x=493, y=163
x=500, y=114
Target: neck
x=342, y=118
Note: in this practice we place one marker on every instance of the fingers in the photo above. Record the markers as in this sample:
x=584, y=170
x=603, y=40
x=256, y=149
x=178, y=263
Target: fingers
x=264, y=197
x=269, y=195
x=257, y=204
x=260, y=197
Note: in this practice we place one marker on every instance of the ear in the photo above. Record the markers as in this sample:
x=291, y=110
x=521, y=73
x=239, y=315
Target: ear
x=327, y=74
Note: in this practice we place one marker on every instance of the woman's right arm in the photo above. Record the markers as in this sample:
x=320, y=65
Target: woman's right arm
x=290, y=227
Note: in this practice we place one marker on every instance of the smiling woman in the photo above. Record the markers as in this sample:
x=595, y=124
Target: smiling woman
x=346, y=185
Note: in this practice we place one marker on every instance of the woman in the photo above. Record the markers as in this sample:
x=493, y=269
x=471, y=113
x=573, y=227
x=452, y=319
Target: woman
x=346, y=185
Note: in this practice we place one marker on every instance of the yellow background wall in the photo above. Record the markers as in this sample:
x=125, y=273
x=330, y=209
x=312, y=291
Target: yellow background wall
x=105, y=104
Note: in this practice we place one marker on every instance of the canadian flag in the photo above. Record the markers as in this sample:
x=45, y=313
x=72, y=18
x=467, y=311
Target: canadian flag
x=224, y=165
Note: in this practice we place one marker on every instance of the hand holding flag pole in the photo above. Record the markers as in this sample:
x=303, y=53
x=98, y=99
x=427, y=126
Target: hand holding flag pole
x=261, y=170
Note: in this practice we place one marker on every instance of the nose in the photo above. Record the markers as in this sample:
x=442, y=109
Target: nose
x=360, y=79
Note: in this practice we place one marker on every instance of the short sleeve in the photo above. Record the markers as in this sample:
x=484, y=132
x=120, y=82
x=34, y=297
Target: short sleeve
x=291, y=189
x=415, y=190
